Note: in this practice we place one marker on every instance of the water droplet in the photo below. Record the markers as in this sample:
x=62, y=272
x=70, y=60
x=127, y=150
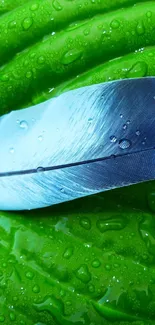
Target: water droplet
x=12, y=24
x=68, y=303
x=138, y=70
x=124, y=127
x=147, y=229
x=115, y=24
x=96, y=263
x=121, y=115
x=87, y=245
x=2, y=318
x=83, y=273
x=12, y=150
x=29, y=275
x=61, y=273
x=86, y=32
x=28, y=74
x=40, y=138
x=128, y=122
x=91, y=288
x=62, y=190
x=68, y=253
x=71, y=56
x=138, y=133
x=151, y=201
x=150, y=54
x=100, y=26
x=26, y=62
x=140, y=28
x=10, y=88
x=12, y=316
x=36, y=289
x=40, y=169
x=124, y=144
x=56, y=5
x=15, y=298
x=90, y=119
x=41, y=60
x=113, y=139
x=23, y=125
x=111, y=224
x=5, y=77
x=85, y=223
x=116, y=265
x=27, y=23
x=62, y=293
x=107, y=267
x=149, y=14
x=34, y=7
x=74, y=25
x=32, y=55
x=52, y=305
x=145, y=257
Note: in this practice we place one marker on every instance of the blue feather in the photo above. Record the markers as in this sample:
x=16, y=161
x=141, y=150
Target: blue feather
x=85, y=141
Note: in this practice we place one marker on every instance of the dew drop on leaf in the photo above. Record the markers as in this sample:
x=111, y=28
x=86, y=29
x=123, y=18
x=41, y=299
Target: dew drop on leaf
x=56, y=5
x=12, y=316
x=34, y=6
x=85, y=223
x=12, y=24
x=96, y=263
x=68, y=253
x=36, y=289
x=115, y=24
x=83, y=273
x=140, y=28
x=138, y=70
x=27, y=23
x=71, y=56
x=29, y=275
